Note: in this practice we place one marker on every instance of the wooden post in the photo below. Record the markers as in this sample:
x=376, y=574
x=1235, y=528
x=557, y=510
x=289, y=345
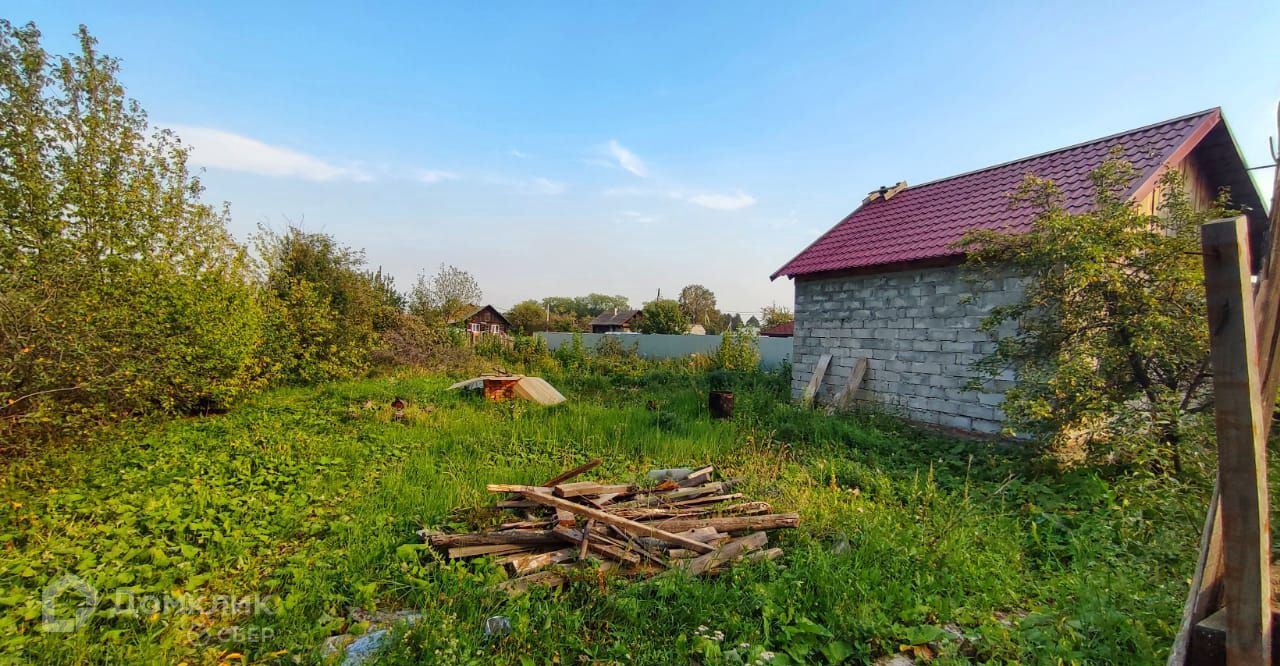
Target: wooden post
x=810, y=395
x=1238, y=409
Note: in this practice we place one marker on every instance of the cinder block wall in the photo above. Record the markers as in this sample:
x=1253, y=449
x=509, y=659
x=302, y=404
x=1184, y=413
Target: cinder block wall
x=918, y=330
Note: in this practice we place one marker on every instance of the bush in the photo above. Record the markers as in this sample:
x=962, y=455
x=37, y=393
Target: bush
x=412, y=343
x=738, y=350
x=121, y=293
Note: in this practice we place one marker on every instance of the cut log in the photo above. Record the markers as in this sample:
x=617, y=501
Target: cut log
x=768, y=554
x=525, y=537
x=565, y=518
x=638, y=529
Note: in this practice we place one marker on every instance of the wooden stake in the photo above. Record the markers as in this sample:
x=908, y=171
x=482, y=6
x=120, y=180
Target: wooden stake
x=855, y=380
x=1238, y=413
x=610, y=519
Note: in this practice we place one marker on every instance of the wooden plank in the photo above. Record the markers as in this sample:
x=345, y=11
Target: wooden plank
x=515, y=488
x=542, y=578
x=733, y=523
x=815, y=382
x=758, y=555
x=726, y=553
x=1205, y=590
x=495, y=549
x=698, y=477
x=589, y=488
x=529, y=563
x=576, y=471
x=856, y=376
x=527, y=537
x=597, y=544
x=610, y=519
x=1241, y=442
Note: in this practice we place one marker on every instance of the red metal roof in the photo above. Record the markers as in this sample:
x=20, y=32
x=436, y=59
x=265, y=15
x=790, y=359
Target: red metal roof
x=923, y=221
x=784, y=330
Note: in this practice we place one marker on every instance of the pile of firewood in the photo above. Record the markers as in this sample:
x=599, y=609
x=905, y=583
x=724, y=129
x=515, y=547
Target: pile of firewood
x=685, y=522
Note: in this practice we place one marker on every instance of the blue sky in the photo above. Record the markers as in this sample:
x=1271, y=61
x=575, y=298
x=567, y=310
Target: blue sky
x=562, y=148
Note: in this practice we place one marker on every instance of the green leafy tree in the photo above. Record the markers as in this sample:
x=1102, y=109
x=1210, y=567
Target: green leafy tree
x=1109, y=342
x=445, y=296
x=663, y=316
x=323, y=307
x=739, y=350
x=121, y=292
x=776, y=314
x=527, y=317
x=698, y=304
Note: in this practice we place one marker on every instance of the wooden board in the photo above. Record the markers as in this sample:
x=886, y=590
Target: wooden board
x=856, y=376
x=536, y=389
x=815, y=382
x=639, y=529
x=1238, y=413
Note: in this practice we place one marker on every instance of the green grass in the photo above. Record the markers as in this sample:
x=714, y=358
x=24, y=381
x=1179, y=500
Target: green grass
x=305, y=496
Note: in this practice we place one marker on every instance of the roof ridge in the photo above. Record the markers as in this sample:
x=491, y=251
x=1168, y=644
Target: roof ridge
x=1063, y=149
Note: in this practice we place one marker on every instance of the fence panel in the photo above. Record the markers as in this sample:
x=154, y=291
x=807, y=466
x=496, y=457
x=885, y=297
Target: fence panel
x=773, y=351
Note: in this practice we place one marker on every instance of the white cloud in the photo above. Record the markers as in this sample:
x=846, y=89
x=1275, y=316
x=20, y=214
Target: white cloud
x=627, y=159
x=735, y=201
x=637, y=217
x=515, y=152
x=219, y=149
x=547, y=186
x=432, y=177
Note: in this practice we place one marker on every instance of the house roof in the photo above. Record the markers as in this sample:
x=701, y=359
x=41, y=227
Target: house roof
x=784, y=330
x=611, y=318
x=474, y=310
x=924, y=221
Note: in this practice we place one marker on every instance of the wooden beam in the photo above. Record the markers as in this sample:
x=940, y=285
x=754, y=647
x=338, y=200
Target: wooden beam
x=576, y=471
x=815, y=382
x=856, y=376
x=606, y=518
x=1238, y=412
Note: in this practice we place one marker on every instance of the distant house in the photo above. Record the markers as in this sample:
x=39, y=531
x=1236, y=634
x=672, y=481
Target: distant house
x=482, y=320
x=783, y=330
x=886, y=283
x=615, y=321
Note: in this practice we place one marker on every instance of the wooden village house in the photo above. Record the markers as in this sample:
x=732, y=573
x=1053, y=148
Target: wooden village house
x=885, y=283
x=616, y=321
x=483, y=320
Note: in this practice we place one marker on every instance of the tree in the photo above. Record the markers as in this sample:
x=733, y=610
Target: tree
x=776, y=314
x=527, y=317
x=698, y=304
x=324, y=308
x=663, y=316
x=444, y=296
x=1110, y=332
x=121, y=292
x=594, y=304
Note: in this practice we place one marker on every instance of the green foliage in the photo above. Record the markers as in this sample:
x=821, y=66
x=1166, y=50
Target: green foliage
x=663, y=316
x=776, y=314
x=410, y=342
x=1110, y=336
x=445, y=296
x=309, y=496
x=699, y=305
x=322, y=308
x=120, y=291
x=738, y=350
x=527, y=317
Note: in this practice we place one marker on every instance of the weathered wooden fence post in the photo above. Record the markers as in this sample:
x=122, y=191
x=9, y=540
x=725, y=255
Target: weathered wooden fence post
x=1239, y=415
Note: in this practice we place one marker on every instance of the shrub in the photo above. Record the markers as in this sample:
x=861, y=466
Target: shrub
x=738, y=350
x=120, y=291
